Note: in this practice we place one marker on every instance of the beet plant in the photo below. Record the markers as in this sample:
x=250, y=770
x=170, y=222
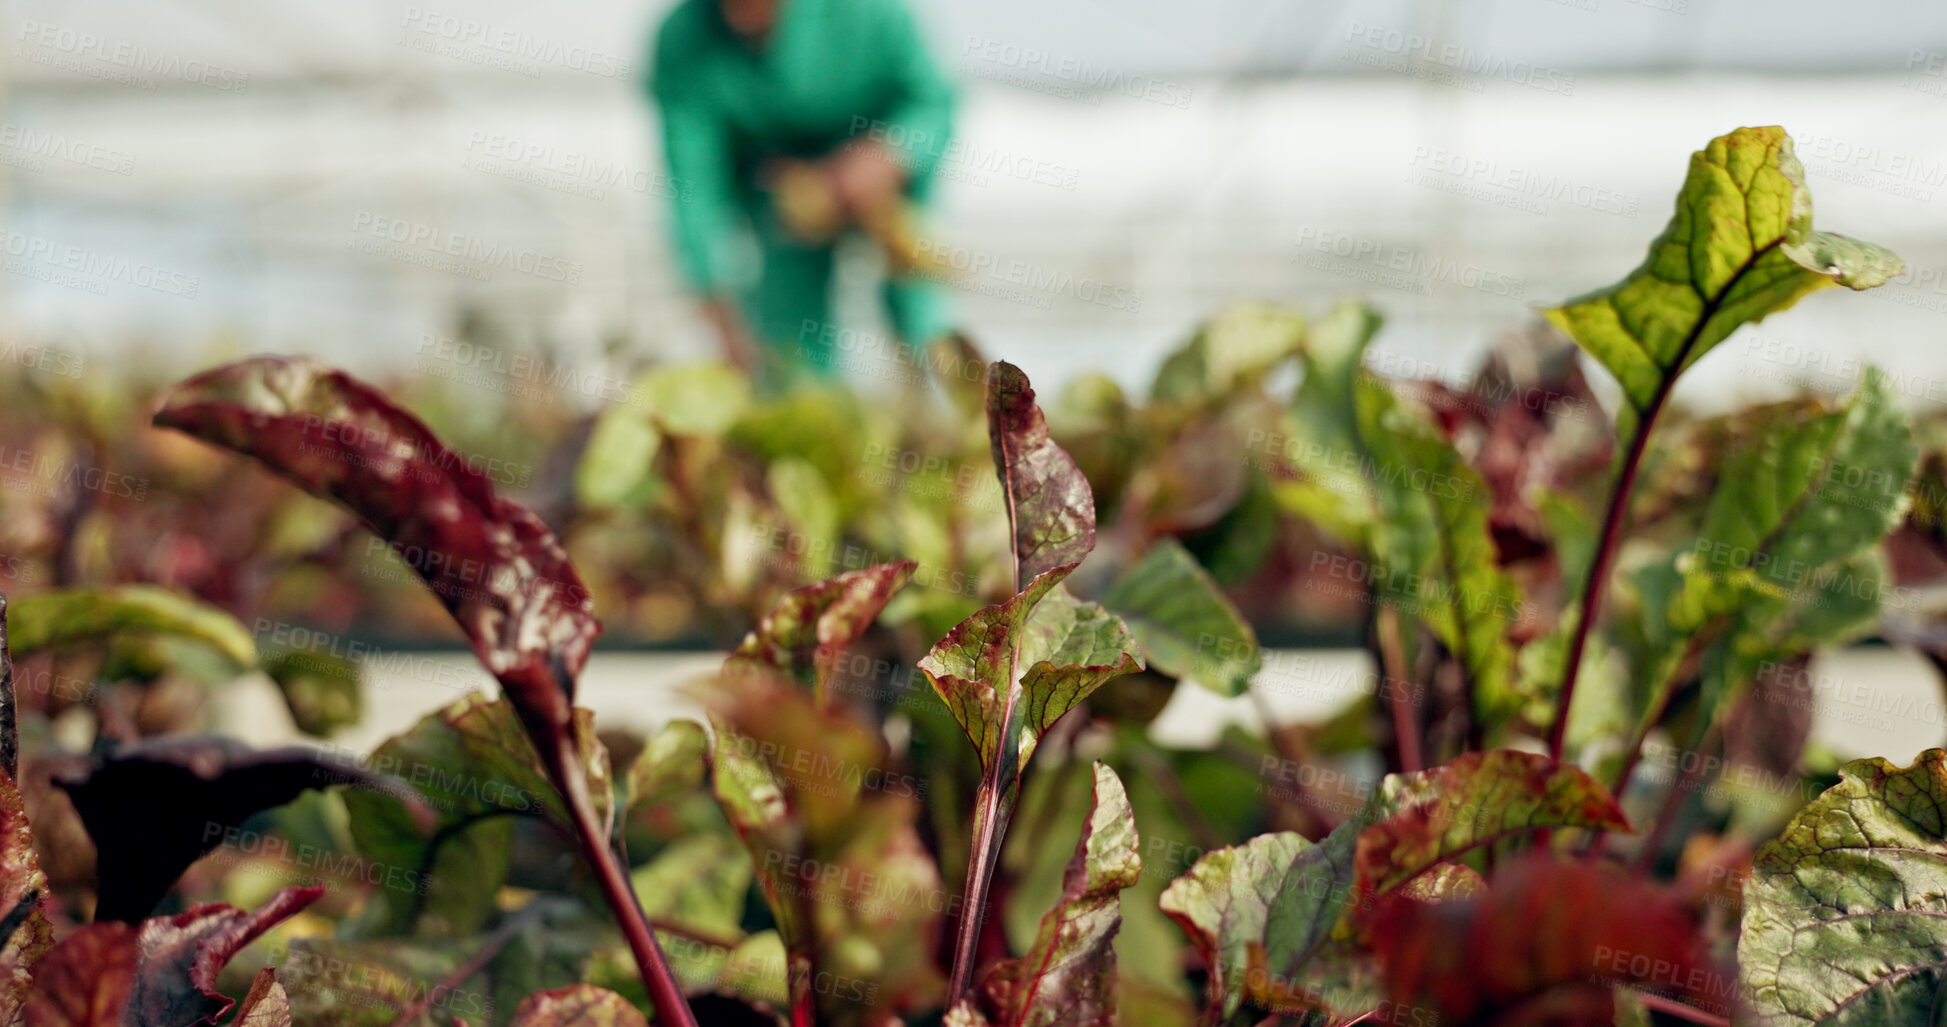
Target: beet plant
x=1501, y=860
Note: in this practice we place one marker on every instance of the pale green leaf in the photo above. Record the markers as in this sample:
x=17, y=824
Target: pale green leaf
x=71, y=616
x=1186, y=625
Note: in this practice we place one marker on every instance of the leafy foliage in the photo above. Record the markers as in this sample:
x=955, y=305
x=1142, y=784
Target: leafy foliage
x=494, y=565
x=1841, y=912
x=1472, y=801
x=853, y=891
x=812, y=627
x=1272, y=917
x=931, y=674
x=154, y=808
x=1739, y=247
x=68, y=617
x=1272, y=901
x=1068, y=976
x=1183, y=622
x=161, y=971
x=1546, y=943
x=475, y=775
x=1050, y=508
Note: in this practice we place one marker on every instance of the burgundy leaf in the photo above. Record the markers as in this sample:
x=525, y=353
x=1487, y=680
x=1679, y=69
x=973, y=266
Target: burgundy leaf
x=25, y=933
x=9, y=728
x=1547, y=936
x=1526, y=414
x=86, y=981
x=156, y=807
x=733, y=1011
x=181, y=956
x=495, y=566
x=1049, y=503
x=160, y=973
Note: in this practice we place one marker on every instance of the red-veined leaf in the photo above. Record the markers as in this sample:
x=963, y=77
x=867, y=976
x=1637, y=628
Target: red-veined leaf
x=1476, y=799
x=810, y=629
x=1068, y=977
x=1049, y=503
x=492, y=563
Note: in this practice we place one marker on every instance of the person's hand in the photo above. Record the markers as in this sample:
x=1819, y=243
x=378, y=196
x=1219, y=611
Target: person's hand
x=733, y=336
x=805, y=200
x=867, y=178
x=869, y=183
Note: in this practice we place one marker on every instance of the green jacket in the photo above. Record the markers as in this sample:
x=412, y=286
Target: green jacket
x=831, y=70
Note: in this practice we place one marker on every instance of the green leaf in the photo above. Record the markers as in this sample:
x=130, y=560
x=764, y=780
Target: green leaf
x=1379, y=476
x=1782, y=561
x=1478, y=798
x=1844, y=922
x=617, y=466
x=1739, y=247
x=1430, y=542
x=1012, y=669
x=829, y=828
x=809, y=507
x=704, y=398
x=1840, y=605
x=1236, y=548
x=1068, y=976
x=959, y=370
x=322, y=689
x=1239, y=347
x=1324, y=444
x=822, y=425
x=477, y=770
x=1324, y=405
x=1278, y=894
x=755, y=969
x=1050, y=507
x=1812, y=492
x=370, y=983
x=697, y=882
x=756, y=804
x=70, y=616
x=810, y=629
x=673, y=762
x=1186, y=625
x=550, y=943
